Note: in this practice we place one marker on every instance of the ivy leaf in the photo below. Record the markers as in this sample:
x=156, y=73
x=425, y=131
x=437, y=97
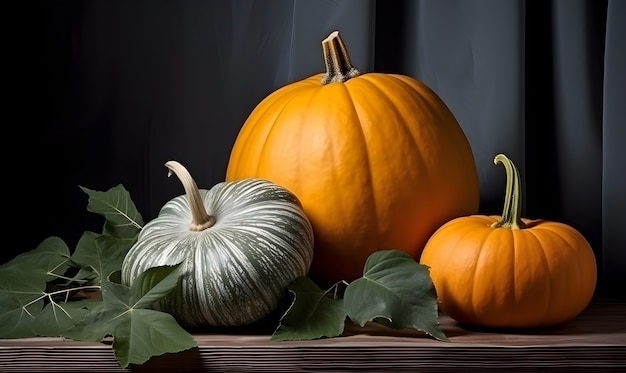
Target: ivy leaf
x=138, y=332
x=23, y=283
x=21, y=300
x=28, y=309
x=98, y=256
x=122, y=220
x=58, y=317
x=314, y=313
x=396, y=288
x=50, y=257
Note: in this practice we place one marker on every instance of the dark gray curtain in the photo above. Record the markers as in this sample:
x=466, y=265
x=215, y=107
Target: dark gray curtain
x=117, y=88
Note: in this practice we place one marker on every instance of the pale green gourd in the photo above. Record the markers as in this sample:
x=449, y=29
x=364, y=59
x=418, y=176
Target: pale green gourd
x=240, y=243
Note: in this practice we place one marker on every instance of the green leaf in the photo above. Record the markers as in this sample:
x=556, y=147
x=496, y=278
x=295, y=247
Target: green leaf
x=153, y=285
x=122, y=220
x=50, y=257
x=56, y=318
x=24, y=280
x=23, y=284
x=138, y=333
x=98, y=256
x=396, y=288
x=22, y=291
x=147, y=333
x=314, y=313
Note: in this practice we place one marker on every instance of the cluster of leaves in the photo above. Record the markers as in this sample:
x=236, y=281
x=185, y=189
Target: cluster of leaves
x=52, y=292
x=395, y=291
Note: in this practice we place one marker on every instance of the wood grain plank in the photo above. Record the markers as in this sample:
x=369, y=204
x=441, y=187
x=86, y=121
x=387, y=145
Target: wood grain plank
x=594, y=341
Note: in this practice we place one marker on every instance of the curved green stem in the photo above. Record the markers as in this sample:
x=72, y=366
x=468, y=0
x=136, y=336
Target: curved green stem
x=511, y=214
x=200, y=219
x=337, y=60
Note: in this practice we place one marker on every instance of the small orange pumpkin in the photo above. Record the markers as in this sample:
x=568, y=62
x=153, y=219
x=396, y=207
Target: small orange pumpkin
x=509, y=272
x=377, y=160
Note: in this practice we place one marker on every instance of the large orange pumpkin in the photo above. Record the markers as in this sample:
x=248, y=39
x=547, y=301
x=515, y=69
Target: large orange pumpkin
x=509, y=272
x=377, y=160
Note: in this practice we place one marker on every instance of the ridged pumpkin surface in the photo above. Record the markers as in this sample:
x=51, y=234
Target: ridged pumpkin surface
x=234, y=272
x=378, y=162
x=509, y=272
x=542, y=275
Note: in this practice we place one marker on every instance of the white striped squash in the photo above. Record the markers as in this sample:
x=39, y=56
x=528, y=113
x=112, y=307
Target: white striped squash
x=240, y=243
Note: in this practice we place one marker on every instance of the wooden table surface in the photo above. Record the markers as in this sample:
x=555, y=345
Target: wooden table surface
x=594, y=341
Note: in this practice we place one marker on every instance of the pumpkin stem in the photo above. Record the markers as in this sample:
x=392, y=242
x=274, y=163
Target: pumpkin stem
x=338, y=65
x=511, y=214
x=200, y=219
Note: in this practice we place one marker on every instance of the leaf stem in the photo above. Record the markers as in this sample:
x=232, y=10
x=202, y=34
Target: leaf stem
x=200, y=219
x=61, y=277
x=51, y=294
x=511, y=213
